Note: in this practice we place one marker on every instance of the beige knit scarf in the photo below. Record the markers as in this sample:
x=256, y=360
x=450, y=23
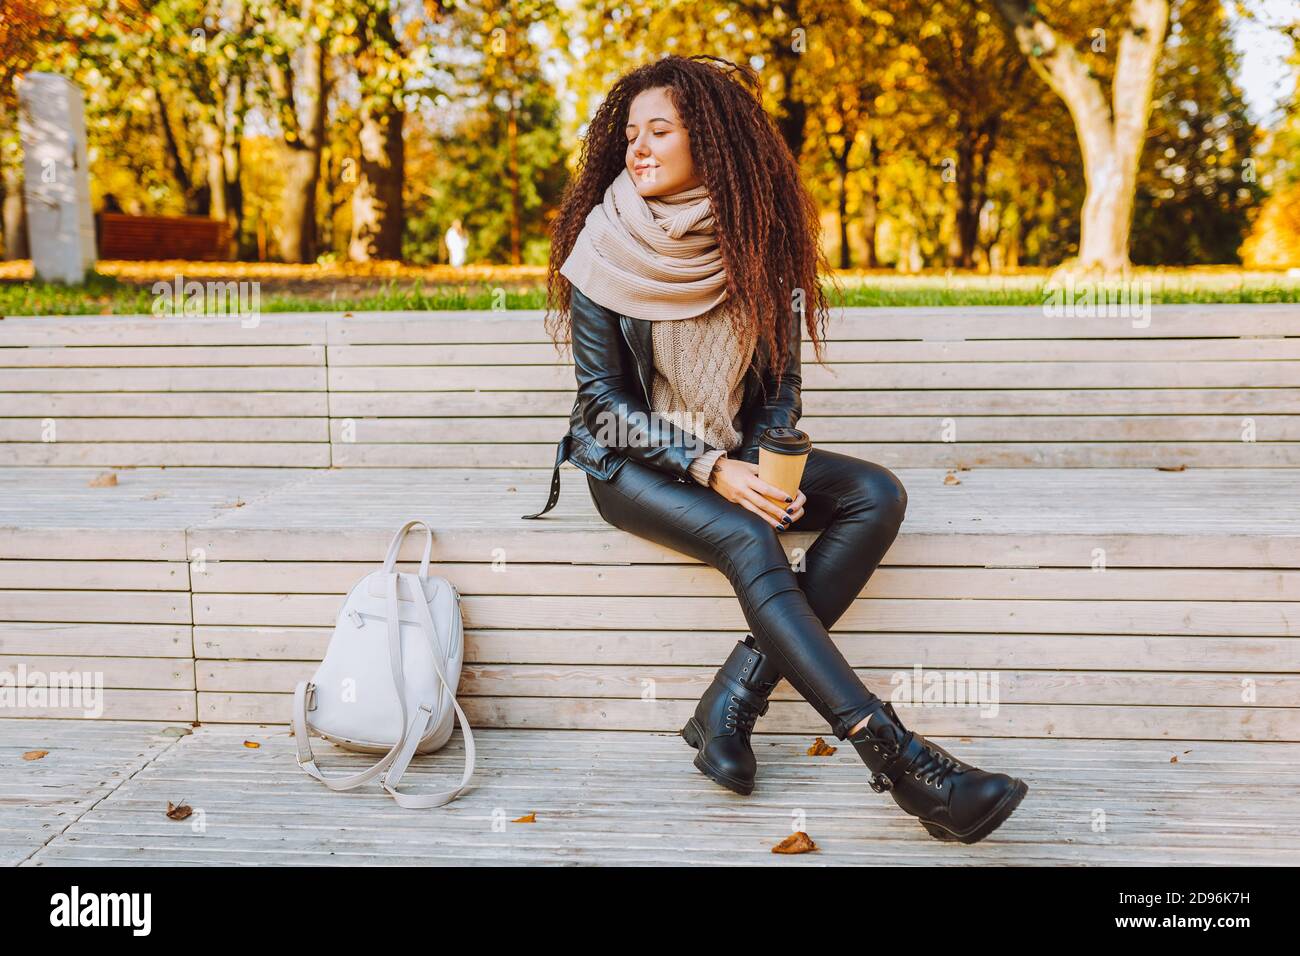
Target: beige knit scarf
x=655, y=258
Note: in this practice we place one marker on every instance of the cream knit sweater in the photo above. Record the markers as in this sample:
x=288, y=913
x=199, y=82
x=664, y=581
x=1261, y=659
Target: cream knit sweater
x=699, y=381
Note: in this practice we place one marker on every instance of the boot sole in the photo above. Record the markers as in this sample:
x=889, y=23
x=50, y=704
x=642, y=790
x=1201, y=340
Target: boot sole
x=1006, y=806
x=692, y=734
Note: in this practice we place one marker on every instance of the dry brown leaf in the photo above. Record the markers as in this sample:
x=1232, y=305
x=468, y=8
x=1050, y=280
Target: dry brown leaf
x=1171, y=467
x=526, y=818
x=251, y=744
x=820, y=748
x=1173, y=759
x=797, y=842
x=178, y=811
x=951, y=479
x=107, y=480
x=35, y=754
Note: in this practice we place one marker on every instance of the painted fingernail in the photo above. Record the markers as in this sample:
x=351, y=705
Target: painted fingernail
x=788, y=498
x=785, y=520
x=789, y=511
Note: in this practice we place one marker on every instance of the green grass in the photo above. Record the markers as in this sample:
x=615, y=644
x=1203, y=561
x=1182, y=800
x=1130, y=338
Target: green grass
x=108, y=295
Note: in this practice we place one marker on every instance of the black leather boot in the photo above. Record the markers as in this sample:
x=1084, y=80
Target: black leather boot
x=724, y=717
x=952, y=799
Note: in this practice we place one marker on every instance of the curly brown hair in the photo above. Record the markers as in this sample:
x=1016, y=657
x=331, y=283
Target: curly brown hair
x=768, y=225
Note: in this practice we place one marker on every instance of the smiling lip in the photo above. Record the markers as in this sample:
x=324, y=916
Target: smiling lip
x=642, y=167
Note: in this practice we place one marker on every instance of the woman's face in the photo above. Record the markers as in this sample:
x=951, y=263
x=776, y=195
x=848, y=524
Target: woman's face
x=658, y=147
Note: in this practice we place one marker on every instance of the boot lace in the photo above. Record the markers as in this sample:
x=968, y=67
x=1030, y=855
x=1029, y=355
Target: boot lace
x=741, y=714
x=932, y=767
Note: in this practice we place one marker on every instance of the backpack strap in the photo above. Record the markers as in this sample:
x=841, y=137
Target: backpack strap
x=419, y=724
x=390, y=560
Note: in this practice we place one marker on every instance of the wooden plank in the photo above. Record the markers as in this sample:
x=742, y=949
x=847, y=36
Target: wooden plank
x=99, y=640
x=163, y=356
x=888, y=375
x=1216, y=618
x=1166, y=584
x=985, y=688
x=230, y=431
x=842, y=350
x=1064, y=455
x=105, y=607
x=166, y=404
x=145, y=673
x=166, y=330
x=1013, y=720
x=120, y=705
x=203, y=454
x=278, y=378
x=97, y=575
x=852, y=402
x=831, y=430
x=901, y=650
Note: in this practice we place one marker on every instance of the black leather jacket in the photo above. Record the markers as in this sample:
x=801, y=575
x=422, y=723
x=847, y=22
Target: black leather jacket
x=613, y=360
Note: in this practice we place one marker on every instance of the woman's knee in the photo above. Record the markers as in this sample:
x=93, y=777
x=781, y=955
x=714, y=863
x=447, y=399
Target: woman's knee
x=877, y=488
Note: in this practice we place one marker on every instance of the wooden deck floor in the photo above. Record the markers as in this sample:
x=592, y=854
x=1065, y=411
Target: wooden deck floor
x=620, y=798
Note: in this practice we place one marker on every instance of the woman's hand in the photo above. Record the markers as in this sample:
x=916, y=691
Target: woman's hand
x=738, y=481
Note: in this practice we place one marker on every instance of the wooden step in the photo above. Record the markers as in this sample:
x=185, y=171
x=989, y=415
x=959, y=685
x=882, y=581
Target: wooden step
x=1121, y=603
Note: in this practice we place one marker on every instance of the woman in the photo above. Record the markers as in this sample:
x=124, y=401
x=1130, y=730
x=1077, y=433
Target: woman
x=684, y=253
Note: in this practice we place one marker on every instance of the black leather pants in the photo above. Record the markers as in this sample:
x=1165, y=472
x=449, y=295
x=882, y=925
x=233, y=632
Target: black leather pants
x=858, y=507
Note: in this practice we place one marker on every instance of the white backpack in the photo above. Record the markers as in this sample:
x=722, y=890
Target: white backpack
x=388, y=681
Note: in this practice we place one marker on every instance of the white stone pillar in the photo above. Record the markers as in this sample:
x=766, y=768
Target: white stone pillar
x=60, y=228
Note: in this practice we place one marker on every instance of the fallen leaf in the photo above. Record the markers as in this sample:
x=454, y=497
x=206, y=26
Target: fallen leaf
x=107, y=480
x=237, y=503
x=1173, y=759
x=178, y=811
x=35, y=754
x=820, y=748
x=797, y=842
x=526, y=818
x=951, y=479
x=1171, y=467
x=251, y=744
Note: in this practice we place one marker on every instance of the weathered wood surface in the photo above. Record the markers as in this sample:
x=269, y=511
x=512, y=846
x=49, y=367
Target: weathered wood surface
x=617, y=798
x=1189, y=631
x=1210, y=386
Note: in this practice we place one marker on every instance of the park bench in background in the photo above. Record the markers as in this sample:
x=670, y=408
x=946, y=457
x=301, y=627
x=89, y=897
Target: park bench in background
x=207, y=592
x=119, y=236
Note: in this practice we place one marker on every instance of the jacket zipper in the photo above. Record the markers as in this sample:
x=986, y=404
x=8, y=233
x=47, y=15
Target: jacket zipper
x=636, y=358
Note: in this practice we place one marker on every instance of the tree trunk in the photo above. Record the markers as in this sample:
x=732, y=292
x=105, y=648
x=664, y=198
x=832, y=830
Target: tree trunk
x=871, y=205
x=841, y=159
x=377, y=215
x=15, y=215
x=1110, y=135
x=298, y=240
x=234, y=157
x=516, y=199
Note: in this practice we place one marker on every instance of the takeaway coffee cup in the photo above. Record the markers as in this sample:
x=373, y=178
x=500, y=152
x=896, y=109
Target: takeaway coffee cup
x=782, y=453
